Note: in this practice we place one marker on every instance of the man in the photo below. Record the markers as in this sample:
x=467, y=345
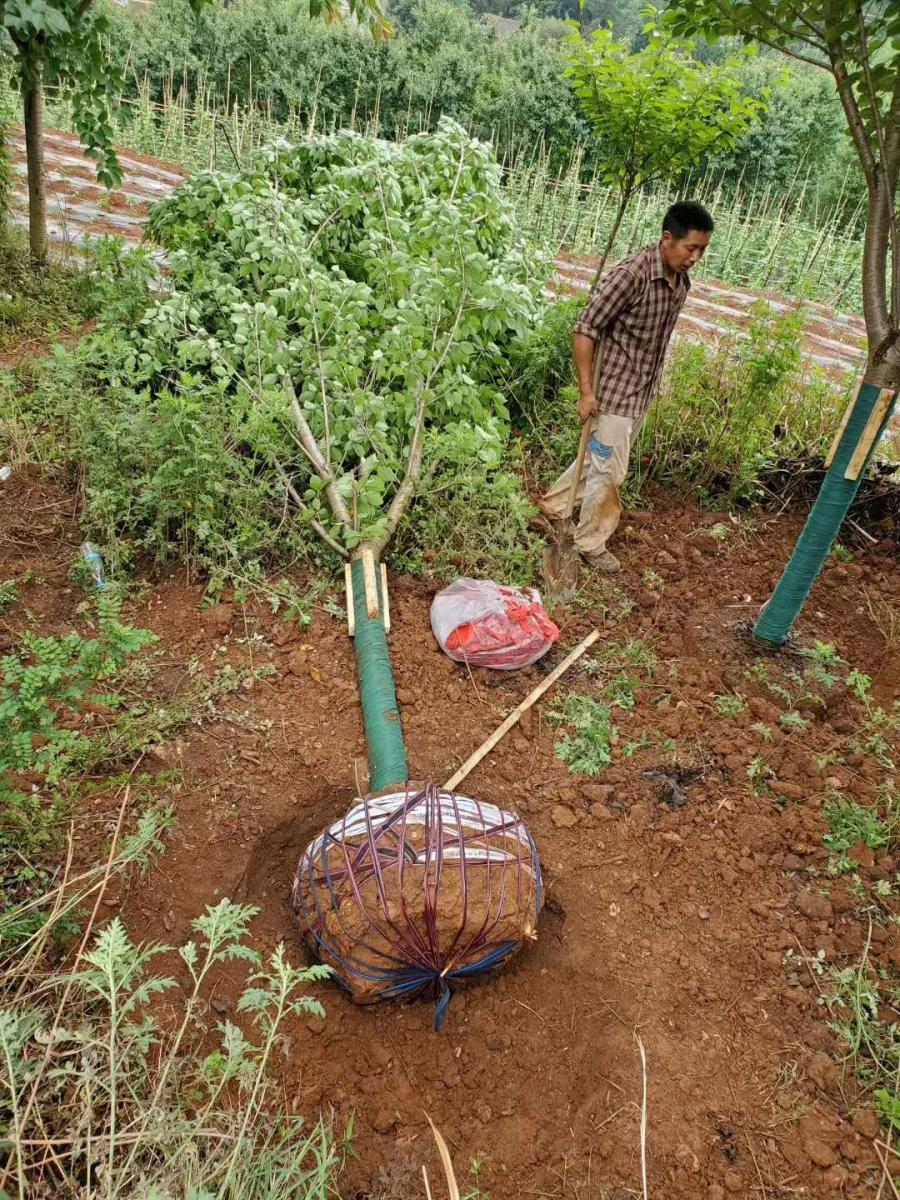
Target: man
x=619, y=346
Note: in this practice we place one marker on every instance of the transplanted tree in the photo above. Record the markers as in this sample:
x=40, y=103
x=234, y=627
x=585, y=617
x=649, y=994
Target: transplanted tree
x=858, y=43
x=656, y=113
x=62, y=42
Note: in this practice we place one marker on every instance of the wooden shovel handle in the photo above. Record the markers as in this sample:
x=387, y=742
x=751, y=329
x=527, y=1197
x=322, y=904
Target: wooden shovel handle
x=579, y=464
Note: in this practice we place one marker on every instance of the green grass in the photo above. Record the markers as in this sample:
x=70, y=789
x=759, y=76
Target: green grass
x=859, y=995
x=851, y=824
x=37, y=304
x=586, y=748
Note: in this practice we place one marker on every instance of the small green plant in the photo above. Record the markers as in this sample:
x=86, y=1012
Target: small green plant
x=758, y=771
x=650, y=579
x=859, y=684
x=823, y=660
x=718, y=532
x=49, y=701
x=792, y=720
x=620, y=691
x=858, y=997
x=9, y=594
x=586, y=749
x=850, y=823
x=764, y=731
x=730, y=705
x=841, y=553
x=878, y=735
x=137, y=1104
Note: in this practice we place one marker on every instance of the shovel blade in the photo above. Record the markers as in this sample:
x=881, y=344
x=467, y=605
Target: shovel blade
x=561, y=569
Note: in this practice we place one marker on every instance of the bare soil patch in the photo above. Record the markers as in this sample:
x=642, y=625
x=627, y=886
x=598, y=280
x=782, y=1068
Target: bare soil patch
x=671, y=902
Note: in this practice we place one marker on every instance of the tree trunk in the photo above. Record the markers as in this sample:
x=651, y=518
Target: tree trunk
x=870, y=414
x=883, y=367
x=623, y=204
x=33, y=98
x=377, y=695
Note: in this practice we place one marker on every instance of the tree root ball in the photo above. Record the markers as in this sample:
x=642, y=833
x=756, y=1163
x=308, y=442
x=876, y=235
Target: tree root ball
x=411, y=893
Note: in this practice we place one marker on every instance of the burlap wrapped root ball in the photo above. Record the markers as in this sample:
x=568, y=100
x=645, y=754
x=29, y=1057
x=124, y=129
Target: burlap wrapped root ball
x=412, y=892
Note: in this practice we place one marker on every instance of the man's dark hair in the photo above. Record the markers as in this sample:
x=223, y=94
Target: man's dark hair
x=684, y=216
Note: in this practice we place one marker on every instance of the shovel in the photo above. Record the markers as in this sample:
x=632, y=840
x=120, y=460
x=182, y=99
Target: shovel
x=561, y=561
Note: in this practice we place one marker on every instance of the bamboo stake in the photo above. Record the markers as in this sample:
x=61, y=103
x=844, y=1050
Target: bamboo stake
x=485, y=748
x=851, y=404
x=869, y=434
x=371, y=587
x=348, y=588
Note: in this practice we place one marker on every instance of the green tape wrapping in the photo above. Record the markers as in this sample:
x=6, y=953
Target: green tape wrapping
x=834, y=499
x=384, y=733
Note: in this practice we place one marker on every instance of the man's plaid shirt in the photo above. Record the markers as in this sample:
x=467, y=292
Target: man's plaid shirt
x=630, y=315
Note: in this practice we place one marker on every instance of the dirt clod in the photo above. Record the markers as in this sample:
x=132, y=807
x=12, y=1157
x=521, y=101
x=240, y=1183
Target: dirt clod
x=819, y=1152
x=563, y=817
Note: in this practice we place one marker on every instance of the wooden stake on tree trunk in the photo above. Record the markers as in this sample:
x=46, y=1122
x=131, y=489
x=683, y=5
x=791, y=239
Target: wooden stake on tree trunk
x=33, y=98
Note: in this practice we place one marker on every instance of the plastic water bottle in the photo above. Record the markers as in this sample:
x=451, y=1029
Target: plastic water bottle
x=94, y=560
x=5, y=473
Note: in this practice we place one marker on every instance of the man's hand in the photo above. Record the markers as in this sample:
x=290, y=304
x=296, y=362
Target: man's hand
x=587, y=405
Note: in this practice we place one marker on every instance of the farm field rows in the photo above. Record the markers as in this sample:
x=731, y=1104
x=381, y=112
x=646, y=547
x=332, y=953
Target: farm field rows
x=79, y=207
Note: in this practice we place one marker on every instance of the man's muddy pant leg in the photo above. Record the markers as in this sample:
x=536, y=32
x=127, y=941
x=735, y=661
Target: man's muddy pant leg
x=604, y=471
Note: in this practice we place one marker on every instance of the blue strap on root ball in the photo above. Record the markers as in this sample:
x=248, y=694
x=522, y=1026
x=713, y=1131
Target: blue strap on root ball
x=411, y=893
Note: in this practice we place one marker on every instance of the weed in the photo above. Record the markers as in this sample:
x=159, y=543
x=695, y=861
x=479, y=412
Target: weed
x=858, y=996
x=718, y=532
x=841, y=553
x=758, y=771
x=730, y=705
x=620, y=691
x=9, y=594
x=764, y=731
x=792, y=720
x=471, y=522
x=823, y=658
x=37, y=302
x=850, y=823
x=48, y=699
x=586, y=749
x=134, y=1107
x=650, y=579
x=859, y=684
x=878, y=735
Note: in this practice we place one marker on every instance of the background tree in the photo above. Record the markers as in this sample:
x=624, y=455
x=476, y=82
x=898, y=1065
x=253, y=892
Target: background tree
x=64, y=42
x=859, y=45
x=656, y=113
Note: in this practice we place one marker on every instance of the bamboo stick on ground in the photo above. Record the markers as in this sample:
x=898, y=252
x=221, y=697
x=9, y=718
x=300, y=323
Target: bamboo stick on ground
x=485, y=748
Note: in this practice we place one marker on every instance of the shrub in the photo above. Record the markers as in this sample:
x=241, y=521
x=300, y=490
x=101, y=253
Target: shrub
x=383, y=284
x=134, y=1108
x=724, y=415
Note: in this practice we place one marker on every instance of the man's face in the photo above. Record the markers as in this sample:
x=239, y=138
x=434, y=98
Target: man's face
x=683, y=253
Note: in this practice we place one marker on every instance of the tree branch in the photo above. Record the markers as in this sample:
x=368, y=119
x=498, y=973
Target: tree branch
x=414, y=462
x=314, y=521
x=320, y=464
x=758, y=35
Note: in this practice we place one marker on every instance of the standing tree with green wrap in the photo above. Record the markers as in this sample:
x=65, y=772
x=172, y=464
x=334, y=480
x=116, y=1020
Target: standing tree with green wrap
x=859, y=45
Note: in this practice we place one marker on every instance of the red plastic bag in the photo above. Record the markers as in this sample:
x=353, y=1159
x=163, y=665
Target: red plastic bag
x=488, y=625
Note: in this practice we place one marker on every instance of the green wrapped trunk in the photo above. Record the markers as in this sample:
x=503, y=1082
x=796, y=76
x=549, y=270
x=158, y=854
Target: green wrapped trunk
x=834, y=499
x=381, y=717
